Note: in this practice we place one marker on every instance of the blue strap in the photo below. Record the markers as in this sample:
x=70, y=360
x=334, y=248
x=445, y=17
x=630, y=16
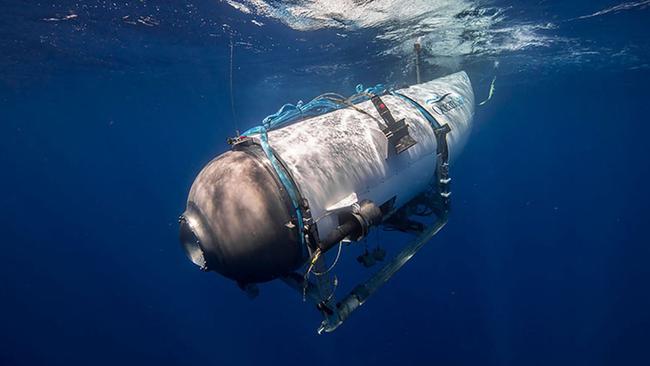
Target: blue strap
x=434, y=123
x=287, y=182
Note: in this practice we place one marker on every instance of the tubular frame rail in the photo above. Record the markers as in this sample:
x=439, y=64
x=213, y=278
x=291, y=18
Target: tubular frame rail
x=362, y=292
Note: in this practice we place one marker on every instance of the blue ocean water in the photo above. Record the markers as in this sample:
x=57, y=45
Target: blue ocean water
x=108, y=110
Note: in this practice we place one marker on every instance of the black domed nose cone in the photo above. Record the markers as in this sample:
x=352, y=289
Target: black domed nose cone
x=237, y=220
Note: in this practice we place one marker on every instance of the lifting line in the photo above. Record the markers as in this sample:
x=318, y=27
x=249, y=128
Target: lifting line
x=232, y=94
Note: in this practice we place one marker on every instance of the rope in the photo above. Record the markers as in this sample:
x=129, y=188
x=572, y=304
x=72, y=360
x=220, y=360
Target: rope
x=336, y=260
x=232, y=94
x=322, y=104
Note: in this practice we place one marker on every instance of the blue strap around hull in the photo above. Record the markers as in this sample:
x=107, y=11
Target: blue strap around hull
x=286, y=181
x=434, y=123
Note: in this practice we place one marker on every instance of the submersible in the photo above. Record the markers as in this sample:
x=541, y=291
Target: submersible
x=316, y=175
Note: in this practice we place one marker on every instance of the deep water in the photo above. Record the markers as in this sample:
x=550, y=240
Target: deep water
x=545, y=260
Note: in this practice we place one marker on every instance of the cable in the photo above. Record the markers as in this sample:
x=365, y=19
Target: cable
x=324, y=103
x=232, y=94
x=336, y=260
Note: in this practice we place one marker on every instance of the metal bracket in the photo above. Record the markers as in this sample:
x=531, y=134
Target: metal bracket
x=395, y=131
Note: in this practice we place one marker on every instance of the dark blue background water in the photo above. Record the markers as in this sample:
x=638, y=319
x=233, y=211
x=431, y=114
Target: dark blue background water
x=103, y=128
